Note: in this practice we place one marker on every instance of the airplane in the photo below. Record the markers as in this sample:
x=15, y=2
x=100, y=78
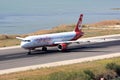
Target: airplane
x=61, y=40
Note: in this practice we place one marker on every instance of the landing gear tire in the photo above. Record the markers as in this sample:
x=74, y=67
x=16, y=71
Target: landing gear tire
x=29, y=53
x=44, y=48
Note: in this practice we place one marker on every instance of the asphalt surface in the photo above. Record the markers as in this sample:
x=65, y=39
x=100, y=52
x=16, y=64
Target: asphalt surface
x=17, y=57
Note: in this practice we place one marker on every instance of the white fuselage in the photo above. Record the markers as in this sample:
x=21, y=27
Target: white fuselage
x=46, y=40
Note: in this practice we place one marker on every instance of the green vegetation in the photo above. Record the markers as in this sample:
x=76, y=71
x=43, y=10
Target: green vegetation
x=107, y=68
x=10, y=40
x=114, y=67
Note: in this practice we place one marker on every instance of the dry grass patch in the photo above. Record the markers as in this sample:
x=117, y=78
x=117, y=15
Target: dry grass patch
x=9, y=42
x=105, y=23
x=99, y=32
x=57, y=29
x=4, y=36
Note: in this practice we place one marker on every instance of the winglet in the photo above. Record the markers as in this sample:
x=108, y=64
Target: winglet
x=78, y=26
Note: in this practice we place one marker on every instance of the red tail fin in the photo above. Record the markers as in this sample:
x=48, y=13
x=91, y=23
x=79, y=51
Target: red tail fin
x=78, y=26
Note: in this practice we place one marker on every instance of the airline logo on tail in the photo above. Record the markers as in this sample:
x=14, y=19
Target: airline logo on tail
x=78, y=26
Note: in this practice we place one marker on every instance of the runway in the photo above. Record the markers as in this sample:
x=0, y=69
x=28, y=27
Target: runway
x=17, y=57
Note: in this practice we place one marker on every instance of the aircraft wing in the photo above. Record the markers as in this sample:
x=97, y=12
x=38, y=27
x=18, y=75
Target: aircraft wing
x=87, y=41
x=19, y=38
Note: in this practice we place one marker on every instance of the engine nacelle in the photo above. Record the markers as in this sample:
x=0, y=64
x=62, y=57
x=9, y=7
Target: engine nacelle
x=62, y=47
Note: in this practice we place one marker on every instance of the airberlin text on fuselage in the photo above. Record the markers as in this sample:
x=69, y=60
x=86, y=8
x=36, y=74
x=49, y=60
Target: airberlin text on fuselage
x=45, y=40
x=52, y=38
x=48, y=39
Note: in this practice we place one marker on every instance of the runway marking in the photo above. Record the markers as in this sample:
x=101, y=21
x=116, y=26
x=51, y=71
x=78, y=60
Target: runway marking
x=12, y=47
x=54, y=64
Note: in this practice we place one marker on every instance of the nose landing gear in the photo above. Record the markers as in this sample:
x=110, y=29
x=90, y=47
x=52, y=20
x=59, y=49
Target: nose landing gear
x=29, y=52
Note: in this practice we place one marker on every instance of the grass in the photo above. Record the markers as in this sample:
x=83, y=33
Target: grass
x=97, y=32
x=68, y=72
x=105, y=23
x=9, y=42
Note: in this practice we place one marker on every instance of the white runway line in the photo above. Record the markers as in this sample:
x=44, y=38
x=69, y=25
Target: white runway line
x=12, y=47
x=53, y=64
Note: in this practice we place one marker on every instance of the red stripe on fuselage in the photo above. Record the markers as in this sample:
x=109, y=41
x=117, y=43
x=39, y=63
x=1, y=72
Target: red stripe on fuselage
x=78, y=35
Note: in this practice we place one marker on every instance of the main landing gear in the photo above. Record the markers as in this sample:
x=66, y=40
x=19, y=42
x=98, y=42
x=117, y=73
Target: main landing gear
x=43, y=49
x=29, y=52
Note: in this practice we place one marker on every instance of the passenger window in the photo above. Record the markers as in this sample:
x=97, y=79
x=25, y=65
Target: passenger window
x=26, y=40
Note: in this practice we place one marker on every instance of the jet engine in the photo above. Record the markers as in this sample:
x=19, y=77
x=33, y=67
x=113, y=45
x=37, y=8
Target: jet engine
x=62, y=47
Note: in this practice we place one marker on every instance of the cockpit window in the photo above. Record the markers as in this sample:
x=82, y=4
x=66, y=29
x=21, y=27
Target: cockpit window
x=26, y=40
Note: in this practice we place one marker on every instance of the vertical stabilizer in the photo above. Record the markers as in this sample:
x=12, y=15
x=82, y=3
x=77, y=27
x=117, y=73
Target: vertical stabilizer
x=78, y=26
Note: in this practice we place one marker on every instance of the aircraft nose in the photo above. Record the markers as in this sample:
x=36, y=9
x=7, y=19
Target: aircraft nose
x=23, y=45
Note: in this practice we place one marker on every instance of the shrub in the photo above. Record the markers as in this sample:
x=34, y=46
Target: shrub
x=3, y=37
x=89, y=75
x=111, y=66
x=73, y=75
x=114, y=67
